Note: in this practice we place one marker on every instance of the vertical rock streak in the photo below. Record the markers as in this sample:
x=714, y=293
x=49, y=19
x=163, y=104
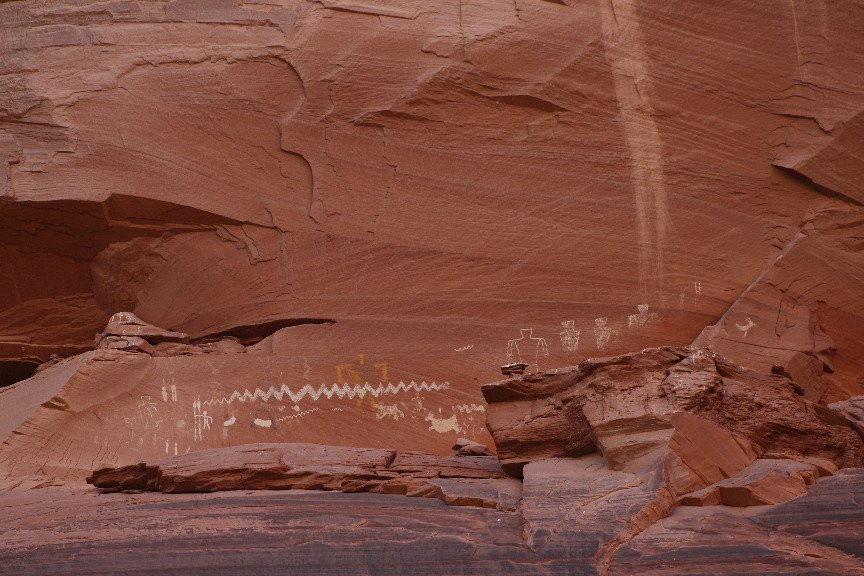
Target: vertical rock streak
x=625, y=53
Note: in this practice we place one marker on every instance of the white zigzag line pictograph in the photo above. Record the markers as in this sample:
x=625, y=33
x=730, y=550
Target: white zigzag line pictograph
x=339, y=390
x=298, y=415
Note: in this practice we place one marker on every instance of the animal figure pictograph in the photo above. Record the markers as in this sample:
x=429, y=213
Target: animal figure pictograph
x=746, y=327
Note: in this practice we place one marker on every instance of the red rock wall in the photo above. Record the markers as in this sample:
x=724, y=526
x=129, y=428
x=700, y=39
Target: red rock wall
x=435, y=178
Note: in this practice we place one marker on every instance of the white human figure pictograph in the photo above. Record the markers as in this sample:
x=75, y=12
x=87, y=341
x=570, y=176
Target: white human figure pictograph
x=603, y=333
x=570, y=336
x=527, y=339
x=173, y=393
x=202, y=420
x=642, y=317
x=148, y=412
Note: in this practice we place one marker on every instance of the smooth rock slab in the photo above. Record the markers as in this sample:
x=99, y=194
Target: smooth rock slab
x=832, y=513
x=58, y=531
x=817, y=533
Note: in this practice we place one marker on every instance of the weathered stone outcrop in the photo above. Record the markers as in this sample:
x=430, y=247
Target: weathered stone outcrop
x=127, y=332
x=853, y=411
x=765, y=481
x=612, y=446
x=708, y=418
x=458, y=481
x=817, y=532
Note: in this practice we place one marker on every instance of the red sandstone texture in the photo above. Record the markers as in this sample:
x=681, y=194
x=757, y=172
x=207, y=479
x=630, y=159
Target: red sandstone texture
x=458, y=481
x=705, y=415
x=609, y=454
x=248, y=246
x=622, y=441
x=435, y=178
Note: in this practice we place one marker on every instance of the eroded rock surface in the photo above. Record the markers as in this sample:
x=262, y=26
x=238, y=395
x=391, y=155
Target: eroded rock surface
x=621, y=442
x=300, y=532
x=440, y=179
x=765, y=481
x=460, y=481
x=71, y=529
x=818, y=532
x=708, y=417
x=358, y=211
x=853, y=410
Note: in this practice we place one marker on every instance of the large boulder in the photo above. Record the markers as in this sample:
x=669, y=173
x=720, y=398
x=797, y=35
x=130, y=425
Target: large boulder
x=704, y=416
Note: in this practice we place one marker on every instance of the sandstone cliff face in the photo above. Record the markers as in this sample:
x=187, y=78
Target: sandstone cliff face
x=329, y=222
x=436, y=178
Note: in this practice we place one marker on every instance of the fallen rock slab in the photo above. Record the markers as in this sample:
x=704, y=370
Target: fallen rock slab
x=128, y=325
x=457, y=480
x=466, y=447
x=709, y=417
x=765, y=481
x=853, y=410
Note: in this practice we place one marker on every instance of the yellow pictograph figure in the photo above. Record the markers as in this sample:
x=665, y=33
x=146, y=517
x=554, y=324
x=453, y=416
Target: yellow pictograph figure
x=346, y=372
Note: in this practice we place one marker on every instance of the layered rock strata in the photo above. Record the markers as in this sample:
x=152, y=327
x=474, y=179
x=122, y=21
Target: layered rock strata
x=816, y=533
x=707, y=417
x=437, y=179
x=618, y=458
x=622, y=441
x=358, y=211
x=458, y=481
